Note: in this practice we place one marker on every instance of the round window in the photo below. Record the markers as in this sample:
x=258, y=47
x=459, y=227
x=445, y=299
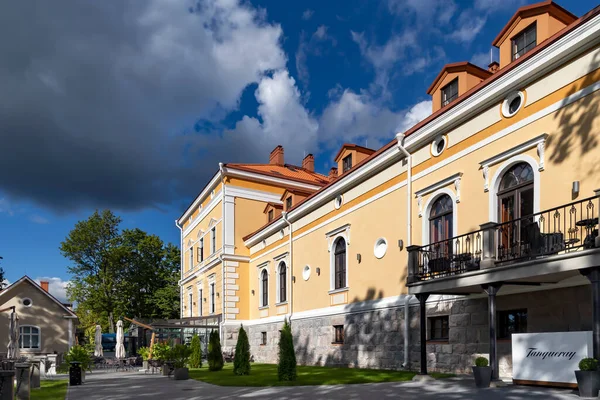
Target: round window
x=27, y=302
x=306, y=273
x=338, y=201
x=512, y=104
x=438, y=146
x=380, y=247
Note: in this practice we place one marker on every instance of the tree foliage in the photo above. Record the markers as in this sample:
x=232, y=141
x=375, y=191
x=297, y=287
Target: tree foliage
x=120, y=272
x=215, y=355
x=196, y=357
x=241, y=363
x=286, y=369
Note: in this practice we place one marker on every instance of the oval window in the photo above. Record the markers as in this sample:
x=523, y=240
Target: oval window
x=27, y=302
x=512, y=104
x=438, y=146
x=338, y=201
x=380, y=247
x=306, y=273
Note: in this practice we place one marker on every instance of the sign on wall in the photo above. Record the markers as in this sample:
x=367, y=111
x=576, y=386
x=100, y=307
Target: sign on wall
x=549, y=358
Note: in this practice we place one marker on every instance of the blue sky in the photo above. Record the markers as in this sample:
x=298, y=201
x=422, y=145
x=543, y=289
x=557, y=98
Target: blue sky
x=131, y=106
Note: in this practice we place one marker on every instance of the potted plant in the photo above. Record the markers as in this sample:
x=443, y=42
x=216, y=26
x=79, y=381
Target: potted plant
x=160, y=352
x=482, y=372
x=144, y=352
x=588, y=378
x=180, y=355
x=81, y=355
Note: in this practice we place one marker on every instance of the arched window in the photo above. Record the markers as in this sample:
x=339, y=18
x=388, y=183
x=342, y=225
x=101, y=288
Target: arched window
x=340, y=264
x=282, y=282
x=29, y=337
x=440, y=219
x=515, y=193
x=264, y=278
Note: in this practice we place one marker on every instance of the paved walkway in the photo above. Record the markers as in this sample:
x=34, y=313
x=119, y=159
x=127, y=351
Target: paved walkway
x=129, y=385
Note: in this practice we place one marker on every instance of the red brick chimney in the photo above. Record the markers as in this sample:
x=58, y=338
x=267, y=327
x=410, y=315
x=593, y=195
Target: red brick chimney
x=333, y=173
x=309, y=163
x=276, y=156
x=44, y=285
x=493, y=67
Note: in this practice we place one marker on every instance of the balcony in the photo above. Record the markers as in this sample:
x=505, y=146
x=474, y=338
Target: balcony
x=559, y=233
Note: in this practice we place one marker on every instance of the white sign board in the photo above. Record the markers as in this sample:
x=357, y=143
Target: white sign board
x=549, y=357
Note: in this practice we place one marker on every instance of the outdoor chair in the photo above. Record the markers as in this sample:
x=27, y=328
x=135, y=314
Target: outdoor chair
x=154, y=366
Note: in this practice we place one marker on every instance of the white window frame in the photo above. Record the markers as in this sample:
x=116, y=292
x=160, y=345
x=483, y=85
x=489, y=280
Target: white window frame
x=497, y=178
x=191, y=303
x=427, y=211
x=261, y=268
x=191, y=257
x=282, y=264
x=26, y=349
x=200, y=298
x=213, y=240
x=332, y=289
x=212, y=294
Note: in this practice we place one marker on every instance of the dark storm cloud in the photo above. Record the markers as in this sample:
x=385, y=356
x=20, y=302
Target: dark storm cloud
x=95, y=96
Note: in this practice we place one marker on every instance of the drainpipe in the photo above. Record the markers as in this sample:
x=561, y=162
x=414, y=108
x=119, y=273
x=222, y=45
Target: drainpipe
x=222, y=172
x=400, y=139
x=284, y=215
x=180, y=266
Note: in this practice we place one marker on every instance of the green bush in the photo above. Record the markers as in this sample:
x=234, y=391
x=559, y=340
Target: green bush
x=286, y=369
x=196, y=356
x=160, y=351
x=144, y=352
x=241, y=362
x=215, y=355
x=481, y=362
x=180, y=355
x=588, y=364
x=79, y=353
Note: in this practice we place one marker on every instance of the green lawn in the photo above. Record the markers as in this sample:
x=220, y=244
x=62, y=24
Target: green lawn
x=55, y=390
x=266, y=375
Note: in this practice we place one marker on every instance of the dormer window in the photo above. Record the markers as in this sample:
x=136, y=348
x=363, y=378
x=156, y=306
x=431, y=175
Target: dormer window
x=524, y=41
x=288, y=203
x=347, y=163
x=270, y=215
x=450, y=92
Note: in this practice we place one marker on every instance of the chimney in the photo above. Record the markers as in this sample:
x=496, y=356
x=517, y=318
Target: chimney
x=333, y=173
x=276, y=157
x=493, y=67
x=44, y=285
x=309, y=163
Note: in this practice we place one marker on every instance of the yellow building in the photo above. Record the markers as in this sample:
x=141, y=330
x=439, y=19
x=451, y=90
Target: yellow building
x=396, y=262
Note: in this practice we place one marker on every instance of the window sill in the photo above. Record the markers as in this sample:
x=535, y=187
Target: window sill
x=340, y=290
x=283, y=303
x=337, y=343
x=264, y=307
x=438, y=341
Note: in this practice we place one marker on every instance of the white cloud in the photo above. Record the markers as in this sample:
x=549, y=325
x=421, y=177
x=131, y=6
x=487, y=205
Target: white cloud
x=495, y=5
x=57, y=287
x=38, y=219
x=285, y=121
x=5, y=207
x=470, y=24
x=307, y=14
x=313, y=46
x=481, y=59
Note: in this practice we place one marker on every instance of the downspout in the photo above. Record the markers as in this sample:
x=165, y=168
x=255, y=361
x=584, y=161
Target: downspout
x=180, y=267
x=221, y=170
x=284, y=215
x=400, y=139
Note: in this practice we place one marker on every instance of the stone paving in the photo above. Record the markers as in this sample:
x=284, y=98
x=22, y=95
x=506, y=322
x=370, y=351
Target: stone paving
x=134, y=385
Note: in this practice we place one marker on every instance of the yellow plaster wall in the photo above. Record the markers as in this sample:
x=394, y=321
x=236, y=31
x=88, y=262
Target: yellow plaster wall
x=248, y=217
x=204, y=278
x=203, y=203
x=244, y=292
x=216, y=213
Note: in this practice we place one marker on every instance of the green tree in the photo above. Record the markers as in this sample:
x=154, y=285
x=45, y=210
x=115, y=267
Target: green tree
x=95, y=270
x=286, y=369
x=196, y=357
x=215, y=355
x=241, y=363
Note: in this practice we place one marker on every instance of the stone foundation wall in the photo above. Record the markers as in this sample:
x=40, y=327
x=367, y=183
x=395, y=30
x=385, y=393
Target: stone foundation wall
x=375, y=339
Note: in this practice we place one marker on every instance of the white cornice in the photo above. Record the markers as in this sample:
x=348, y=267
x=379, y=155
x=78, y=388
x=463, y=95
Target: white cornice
x=202, y=270
x=216, y=200
x=207, y=189
x=231, y=171
x=370, y=168
x=252, y=194
x=505, y=155
x=438, y=185
x=558, y=53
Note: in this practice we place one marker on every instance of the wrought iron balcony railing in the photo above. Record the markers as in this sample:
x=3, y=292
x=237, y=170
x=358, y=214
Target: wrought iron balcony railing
x=570, y=227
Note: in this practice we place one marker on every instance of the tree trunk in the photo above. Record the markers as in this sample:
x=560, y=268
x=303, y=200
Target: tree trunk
x=111, y=323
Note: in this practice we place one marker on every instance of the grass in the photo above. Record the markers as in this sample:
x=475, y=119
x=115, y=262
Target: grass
x=54, y=390
x=266, y=375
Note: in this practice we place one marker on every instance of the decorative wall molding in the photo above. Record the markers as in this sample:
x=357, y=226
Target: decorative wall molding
x=451, y=180
x=343, y=230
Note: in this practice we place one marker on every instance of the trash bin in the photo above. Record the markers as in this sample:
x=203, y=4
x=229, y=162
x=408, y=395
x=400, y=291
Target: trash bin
x=75, y=373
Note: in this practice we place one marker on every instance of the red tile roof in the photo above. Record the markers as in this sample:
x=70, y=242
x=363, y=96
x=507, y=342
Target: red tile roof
x=286, y=171
x=459, y=67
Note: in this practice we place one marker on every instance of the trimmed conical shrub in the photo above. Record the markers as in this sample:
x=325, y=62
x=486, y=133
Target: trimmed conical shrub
x=286, y=369
x=196, y=357
x=215, y=355
x=241, y=362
